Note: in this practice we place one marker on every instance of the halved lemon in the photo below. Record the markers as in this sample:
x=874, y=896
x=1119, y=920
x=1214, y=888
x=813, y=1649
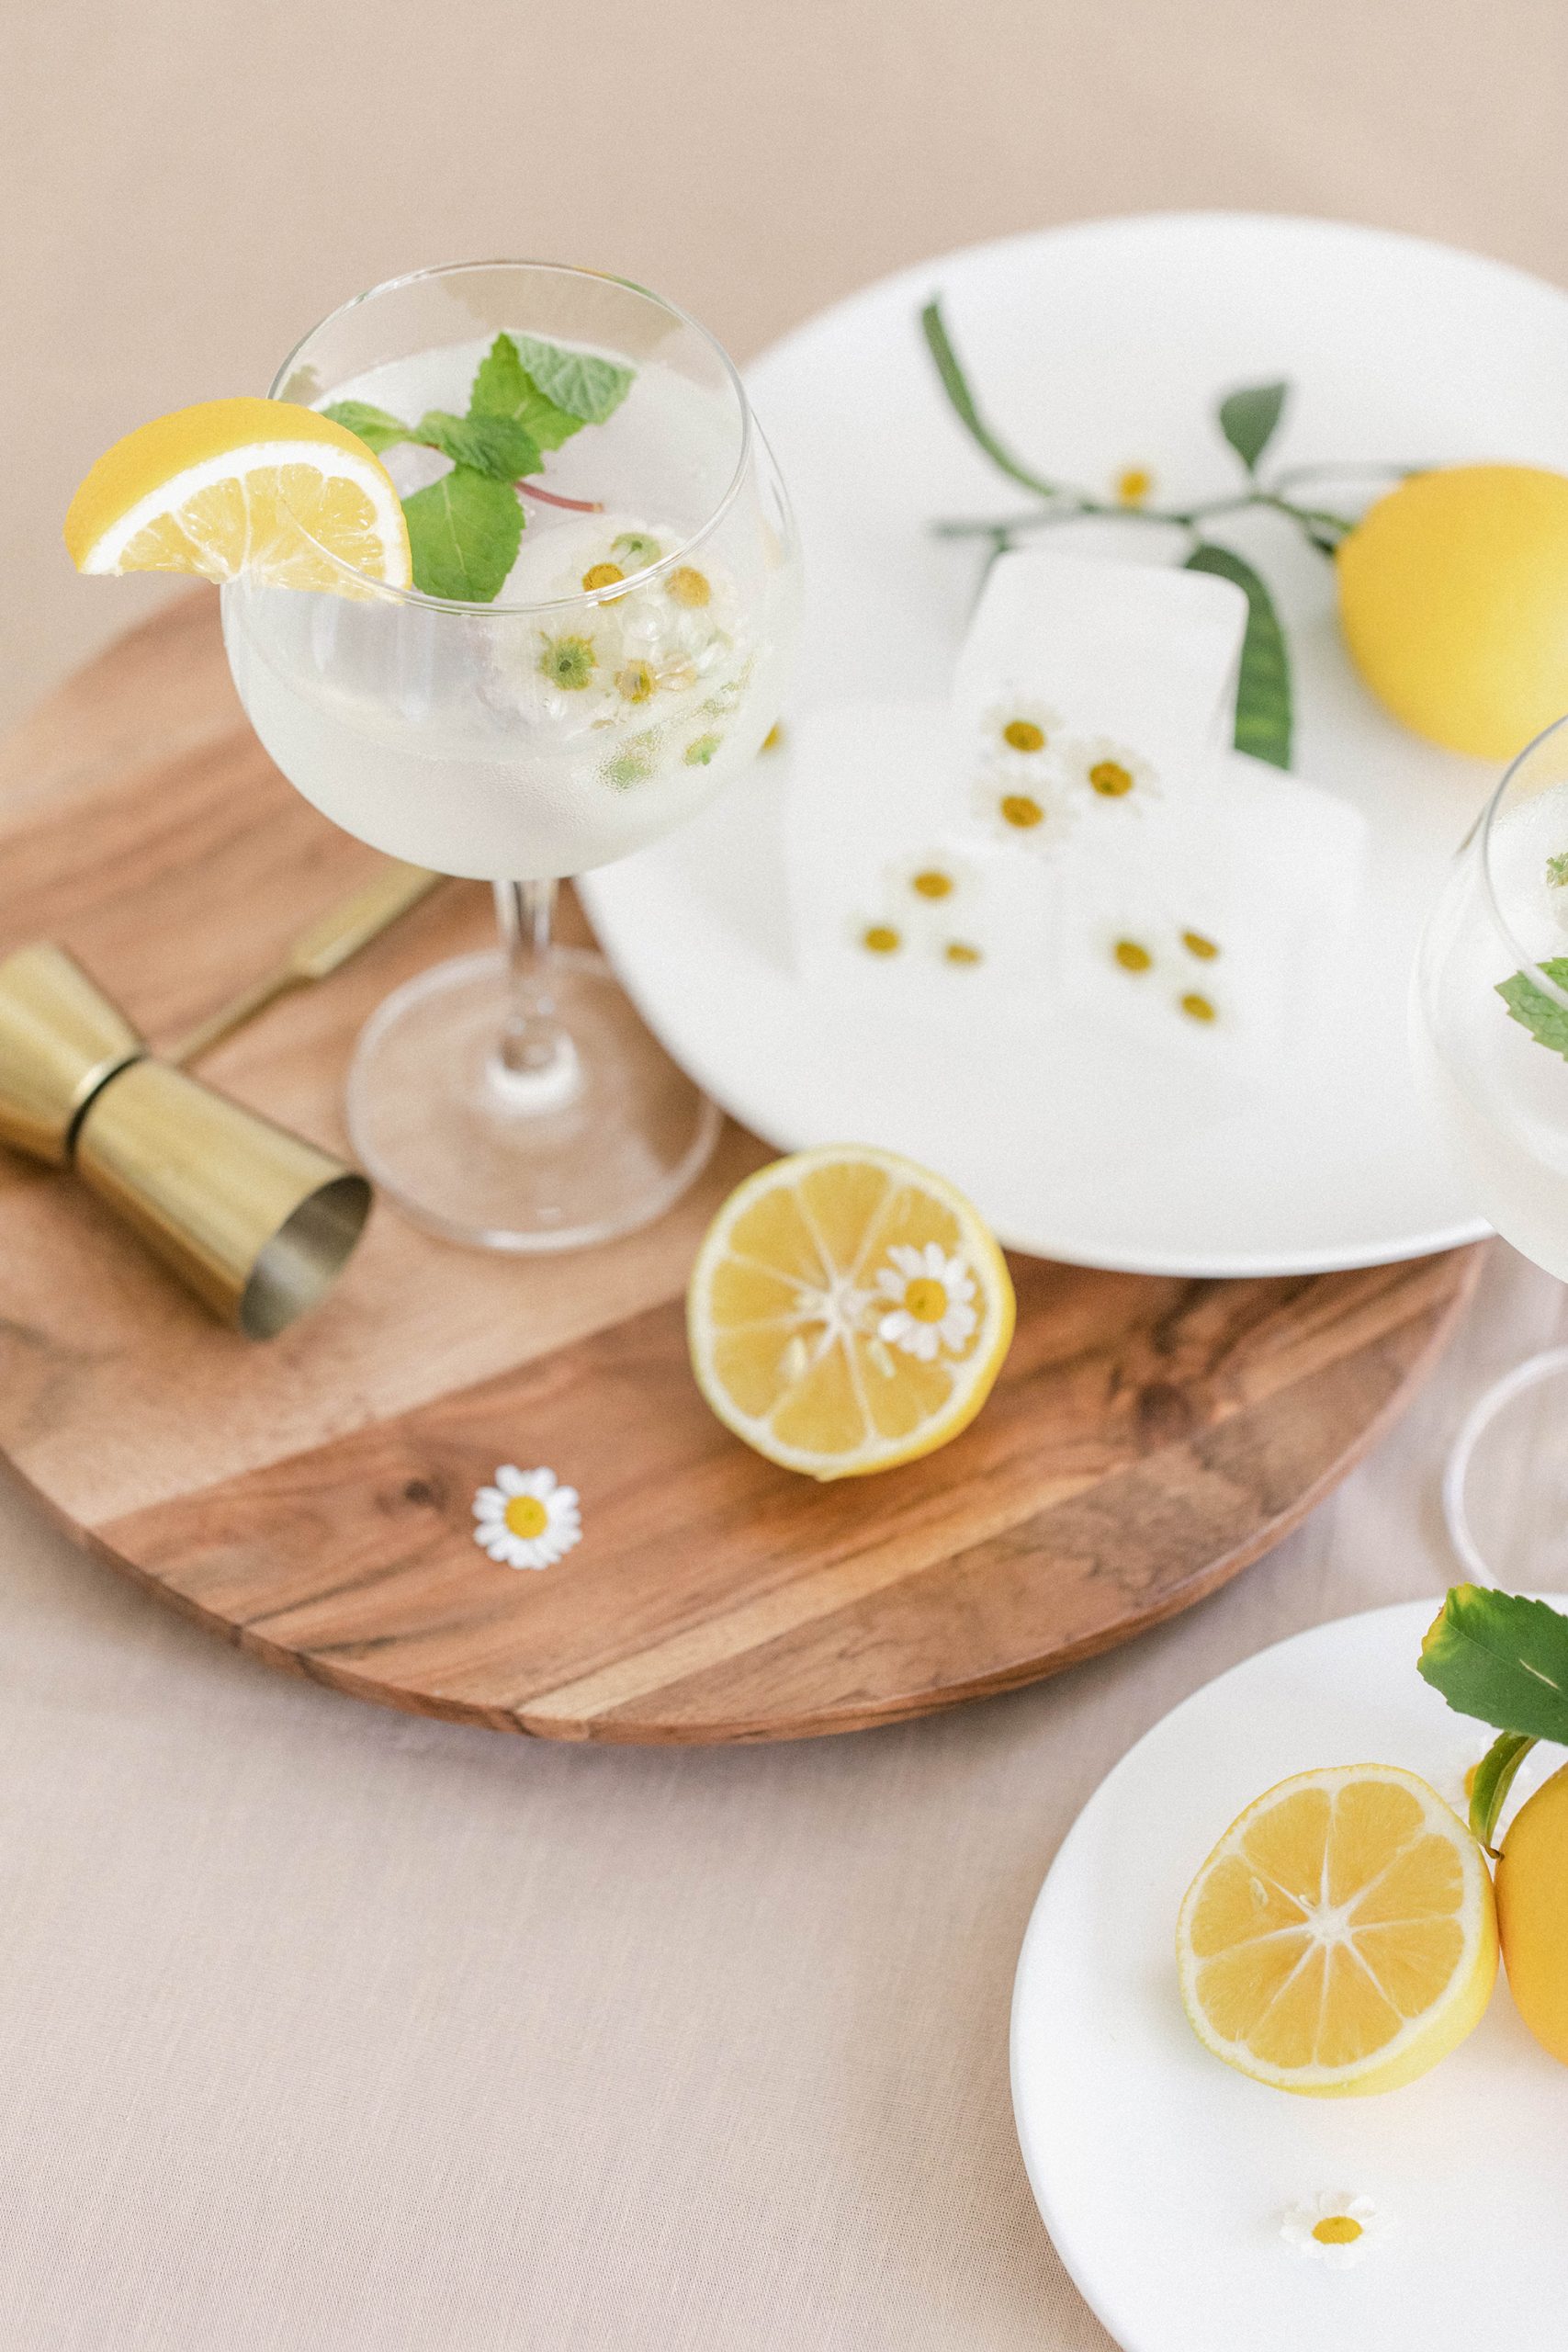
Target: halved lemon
x=243, y=486
x=1342, y=1936
x=848, y=1311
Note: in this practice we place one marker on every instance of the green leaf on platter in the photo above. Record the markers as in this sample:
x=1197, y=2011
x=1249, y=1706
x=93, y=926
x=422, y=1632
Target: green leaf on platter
x=1546, y=1020
x=463, y=534
x=1248, y=419
x=504, y=387
x=1263, y=693
x=1494, y=1778
x=579, y=382
x=1503, y=1659
x=955, y=384
x=496, y=446
x=376, y=427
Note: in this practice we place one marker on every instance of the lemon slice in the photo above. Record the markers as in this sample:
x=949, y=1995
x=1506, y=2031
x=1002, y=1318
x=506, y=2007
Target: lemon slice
x=848, y=1311
x=243, y=486
x=1341, y=1938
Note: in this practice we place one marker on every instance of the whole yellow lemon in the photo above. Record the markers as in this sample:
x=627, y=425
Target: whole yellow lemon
x=1453, y=598
x=1532, y=1913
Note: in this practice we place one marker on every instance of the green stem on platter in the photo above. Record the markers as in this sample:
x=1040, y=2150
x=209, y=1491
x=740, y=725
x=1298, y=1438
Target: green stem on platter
x=955, y=385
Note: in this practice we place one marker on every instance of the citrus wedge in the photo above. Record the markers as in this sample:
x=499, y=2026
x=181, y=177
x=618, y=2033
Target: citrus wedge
x=254, y=486
x=848, y=1311
x=1341, y=1938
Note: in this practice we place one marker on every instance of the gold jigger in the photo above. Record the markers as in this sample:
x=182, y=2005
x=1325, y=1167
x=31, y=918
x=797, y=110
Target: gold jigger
x=255, y=1220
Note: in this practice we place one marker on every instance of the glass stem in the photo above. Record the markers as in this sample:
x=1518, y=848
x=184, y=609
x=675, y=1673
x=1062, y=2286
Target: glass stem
x=535, y=1051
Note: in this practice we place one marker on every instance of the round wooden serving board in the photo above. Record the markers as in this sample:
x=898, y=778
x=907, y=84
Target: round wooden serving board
x=311, y=1499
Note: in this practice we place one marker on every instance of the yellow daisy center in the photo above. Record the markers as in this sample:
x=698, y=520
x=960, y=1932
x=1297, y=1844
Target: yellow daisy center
x=1022, y=735
x=958, y=951
x=525, y=1515
x=602, y=575
x=1196, y=945
x=881, y=938
x=689, y=586
x=1130, y=957
x=1134, y=485
x=1111, y=779
x=1198, y=1007
x=1019, y=809
x=925, y=1299
x=1336, y=2229
x=933, y=884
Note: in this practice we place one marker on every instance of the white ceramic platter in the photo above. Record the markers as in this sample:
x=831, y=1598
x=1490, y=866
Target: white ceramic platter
x=1092, y=348
x=1163, y=2175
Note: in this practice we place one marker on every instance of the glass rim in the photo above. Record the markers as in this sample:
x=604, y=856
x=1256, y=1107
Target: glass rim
x=580, y=598
x=1481, y=837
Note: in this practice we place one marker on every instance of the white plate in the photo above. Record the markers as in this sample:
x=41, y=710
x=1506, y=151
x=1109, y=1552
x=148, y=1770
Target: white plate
x=1161, y=2174
x=1093, y=347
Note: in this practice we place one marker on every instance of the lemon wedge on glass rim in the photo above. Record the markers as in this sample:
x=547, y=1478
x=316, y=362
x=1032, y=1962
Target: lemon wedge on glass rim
x=1342, y=1935
x=253, y=486
x=848, y=1311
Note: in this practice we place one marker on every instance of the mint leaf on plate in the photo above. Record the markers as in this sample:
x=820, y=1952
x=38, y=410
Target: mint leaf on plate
x=1502, y=1657
x=1546, y=1020
x=496, y=446
x=504, y=387
x=463, y=532
x=1263, y=691
x=375, y=426
x=1248, y=419
x=583, y=385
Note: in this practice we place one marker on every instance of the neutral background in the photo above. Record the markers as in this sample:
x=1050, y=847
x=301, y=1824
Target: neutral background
x=324, y=2029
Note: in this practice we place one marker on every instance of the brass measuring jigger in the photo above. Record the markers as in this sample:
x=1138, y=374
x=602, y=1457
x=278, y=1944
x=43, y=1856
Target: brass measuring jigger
x=255, y=1220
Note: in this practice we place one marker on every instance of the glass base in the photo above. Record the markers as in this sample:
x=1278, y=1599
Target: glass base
x=604, y=1138
x=1505, y=1485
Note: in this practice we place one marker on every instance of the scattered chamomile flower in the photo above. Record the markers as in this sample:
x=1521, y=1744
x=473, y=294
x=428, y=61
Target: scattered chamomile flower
x=1199, y=944
x=1030, y=811
x=526, y=1519
x=774, y=737
x=961, y=954
x=1020, y=729
x=1111, y=771
x=934, y=883
x=1333, y=2229
x=925, y=1297
x=878, y=938
x=1133, y=485
x=700, y=752
x=569, y=661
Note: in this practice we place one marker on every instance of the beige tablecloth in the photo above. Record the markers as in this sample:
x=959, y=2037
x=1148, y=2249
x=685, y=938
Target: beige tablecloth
x=321, y=2029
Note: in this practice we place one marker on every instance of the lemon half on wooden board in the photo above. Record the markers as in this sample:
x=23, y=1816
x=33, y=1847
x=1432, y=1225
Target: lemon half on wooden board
x=261, y=487
x=1341, y=1938
x=848, y=1311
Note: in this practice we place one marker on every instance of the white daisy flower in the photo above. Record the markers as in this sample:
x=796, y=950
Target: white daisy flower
x=927, y=1294
x=1025, y=807
x=1333, y=2228
x=1018, y=729
x=934, y=886
x=526, y=1519
x=1108, y=772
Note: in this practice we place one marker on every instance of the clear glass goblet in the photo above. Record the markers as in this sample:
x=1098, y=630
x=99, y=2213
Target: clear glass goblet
x=514, y=1099
x=1496, y=946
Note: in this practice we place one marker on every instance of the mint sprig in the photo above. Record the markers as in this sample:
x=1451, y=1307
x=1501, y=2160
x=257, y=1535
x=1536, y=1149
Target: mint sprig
x=528, y=396
x=1546, y=1020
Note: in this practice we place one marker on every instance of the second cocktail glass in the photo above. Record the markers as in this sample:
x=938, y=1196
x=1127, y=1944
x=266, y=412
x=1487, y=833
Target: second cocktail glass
x=514, y=1099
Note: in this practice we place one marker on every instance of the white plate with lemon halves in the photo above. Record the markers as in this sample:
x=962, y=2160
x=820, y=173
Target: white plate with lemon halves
x=1178, y=2191
x=1096, y=349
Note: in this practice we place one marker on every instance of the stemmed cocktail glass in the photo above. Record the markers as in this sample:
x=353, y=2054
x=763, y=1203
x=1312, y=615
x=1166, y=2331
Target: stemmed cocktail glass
x=515, y=1100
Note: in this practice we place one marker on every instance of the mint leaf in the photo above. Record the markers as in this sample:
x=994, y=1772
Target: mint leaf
x=955, y=384
x=1546, y=1020
x=463, y=534
x=1247, y=420
x=504, y=387
x=1494, y=1779
x=375, y=426
x=586, y=387
x=1502, y=1657
x=491, y=445
x=1263, y=691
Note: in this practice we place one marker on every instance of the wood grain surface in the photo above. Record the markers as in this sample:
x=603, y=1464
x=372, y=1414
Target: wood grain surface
x=311, y=1499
